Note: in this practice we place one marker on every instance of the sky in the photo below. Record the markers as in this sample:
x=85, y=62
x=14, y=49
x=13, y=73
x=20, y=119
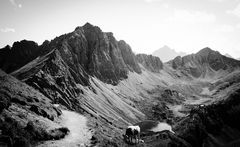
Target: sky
x=146, y=25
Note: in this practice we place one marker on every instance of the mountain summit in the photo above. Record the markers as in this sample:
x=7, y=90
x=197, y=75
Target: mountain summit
x=204, y=62
x=166, y=53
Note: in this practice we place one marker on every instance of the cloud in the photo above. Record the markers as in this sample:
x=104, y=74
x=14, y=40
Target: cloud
x=192, y=17
x=166, y=6
x=218, y=0
x=238, y=26
x=7, y=30
x=225, y=28
x=150, y=1
x=13, y=2
x=235, y=11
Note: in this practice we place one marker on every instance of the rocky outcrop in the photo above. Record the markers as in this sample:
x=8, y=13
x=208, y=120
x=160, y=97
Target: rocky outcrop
x=129, y=57
x=14, y=91
x=203, y=62
x=177, y=62
x=150, y=62
x=25, y=114
x=12, y=58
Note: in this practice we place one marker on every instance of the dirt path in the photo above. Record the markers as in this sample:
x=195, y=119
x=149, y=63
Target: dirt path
x=79, y=135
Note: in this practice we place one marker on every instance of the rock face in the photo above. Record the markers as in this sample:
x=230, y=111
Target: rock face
x=204, y=62
x=150, y=62
x=12, y=58
x=102, y=55
x=129, y=57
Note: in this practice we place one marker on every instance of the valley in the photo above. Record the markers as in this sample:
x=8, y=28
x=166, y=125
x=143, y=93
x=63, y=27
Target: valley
x=104, y=87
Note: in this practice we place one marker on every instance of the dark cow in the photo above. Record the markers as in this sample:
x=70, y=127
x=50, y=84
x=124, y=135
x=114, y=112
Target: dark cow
x=133, y=133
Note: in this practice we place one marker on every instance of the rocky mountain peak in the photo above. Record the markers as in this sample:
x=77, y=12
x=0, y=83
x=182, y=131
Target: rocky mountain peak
x=91, y=28
x=166, y=53
x=12, y=58
x=204, y=62
x=24, y=43
x=206, y=51
x=109, y=34
x=166, y=47
x=88, y=25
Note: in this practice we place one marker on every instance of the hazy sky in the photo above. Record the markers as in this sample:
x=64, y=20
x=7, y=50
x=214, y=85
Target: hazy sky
x=185, y=25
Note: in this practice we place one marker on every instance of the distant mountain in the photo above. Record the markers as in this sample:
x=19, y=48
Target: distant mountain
x=238, y=58
x=165, y=53
x=204, y=62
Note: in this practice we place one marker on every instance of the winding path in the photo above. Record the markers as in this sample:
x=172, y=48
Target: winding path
x=79, y=135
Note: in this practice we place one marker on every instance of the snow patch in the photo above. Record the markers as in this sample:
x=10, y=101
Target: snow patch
x=161, y=127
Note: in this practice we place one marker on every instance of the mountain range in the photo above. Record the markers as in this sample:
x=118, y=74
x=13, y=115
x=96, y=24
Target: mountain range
x=89, y=72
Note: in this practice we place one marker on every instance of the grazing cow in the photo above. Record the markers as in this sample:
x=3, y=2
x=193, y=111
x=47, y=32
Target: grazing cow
x=133, y=132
